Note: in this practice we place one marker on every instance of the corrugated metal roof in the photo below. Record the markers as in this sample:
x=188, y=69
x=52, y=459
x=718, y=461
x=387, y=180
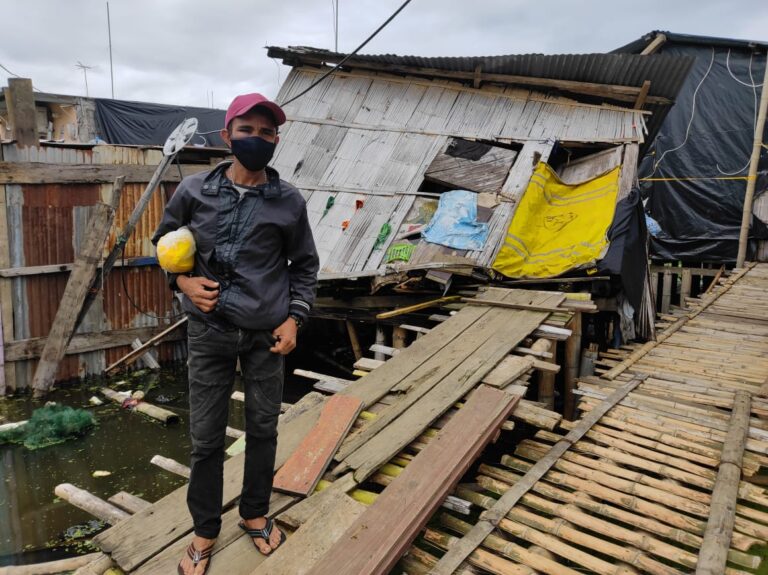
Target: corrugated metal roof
x=638, y=45
x=666, y=73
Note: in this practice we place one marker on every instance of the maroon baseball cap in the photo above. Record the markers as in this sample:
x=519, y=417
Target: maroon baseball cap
x=243, y=103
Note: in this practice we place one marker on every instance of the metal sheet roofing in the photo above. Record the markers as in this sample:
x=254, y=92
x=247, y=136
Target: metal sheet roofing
x=638, y=45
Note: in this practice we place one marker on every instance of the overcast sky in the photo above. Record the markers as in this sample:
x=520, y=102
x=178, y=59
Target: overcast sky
x=179, y=51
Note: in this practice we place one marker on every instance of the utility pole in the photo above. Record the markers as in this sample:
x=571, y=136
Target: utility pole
x=111, y=72
x=85, y=69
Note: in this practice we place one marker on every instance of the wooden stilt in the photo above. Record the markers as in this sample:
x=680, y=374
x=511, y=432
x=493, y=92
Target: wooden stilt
x=353, y=340
x=399, y=335
x=547, y=380
x=572, y=365
x=381, y=339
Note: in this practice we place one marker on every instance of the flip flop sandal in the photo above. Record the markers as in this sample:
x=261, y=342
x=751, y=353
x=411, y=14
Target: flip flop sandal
x=197, y=557
x=263, y=534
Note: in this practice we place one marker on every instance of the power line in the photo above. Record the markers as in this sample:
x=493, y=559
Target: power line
x=348, y=56
x=16, y=76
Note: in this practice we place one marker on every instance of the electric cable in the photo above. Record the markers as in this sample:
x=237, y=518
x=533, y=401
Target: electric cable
x=693, y=115
x=348, y=56
x=754, y=115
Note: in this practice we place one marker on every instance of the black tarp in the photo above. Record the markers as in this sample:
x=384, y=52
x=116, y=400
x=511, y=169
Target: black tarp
x=694, y=174
x=626, y=256
x=138, y=123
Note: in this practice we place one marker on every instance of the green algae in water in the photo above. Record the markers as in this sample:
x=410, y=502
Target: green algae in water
x=50, y=425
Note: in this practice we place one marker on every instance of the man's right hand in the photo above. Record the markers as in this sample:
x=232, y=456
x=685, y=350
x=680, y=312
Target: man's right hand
x=204, y=293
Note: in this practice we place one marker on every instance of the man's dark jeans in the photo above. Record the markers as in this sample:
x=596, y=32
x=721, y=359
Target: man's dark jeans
x=213, y=356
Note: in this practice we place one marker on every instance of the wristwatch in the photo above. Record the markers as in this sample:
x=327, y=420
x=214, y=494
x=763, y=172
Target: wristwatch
x=297, y=319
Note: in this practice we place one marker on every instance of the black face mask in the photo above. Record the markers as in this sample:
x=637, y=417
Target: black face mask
x=253, y=152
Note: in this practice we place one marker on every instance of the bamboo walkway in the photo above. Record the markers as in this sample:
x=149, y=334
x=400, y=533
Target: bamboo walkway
x=661, y=475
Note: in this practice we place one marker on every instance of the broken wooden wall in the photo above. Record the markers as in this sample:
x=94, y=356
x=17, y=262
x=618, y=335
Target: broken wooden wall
x=46, y=196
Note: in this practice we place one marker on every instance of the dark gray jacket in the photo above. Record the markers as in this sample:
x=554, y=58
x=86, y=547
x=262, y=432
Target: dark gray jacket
x=259, y=248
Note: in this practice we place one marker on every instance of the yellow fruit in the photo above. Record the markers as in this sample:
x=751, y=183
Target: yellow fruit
x=176, y=251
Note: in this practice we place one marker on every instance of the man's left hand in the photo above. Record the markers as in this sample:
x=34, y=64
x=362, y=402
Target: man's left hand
x=285, y=334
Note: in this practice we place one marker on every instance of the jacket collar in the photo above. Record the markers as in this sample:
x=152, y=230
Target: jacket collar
x=217, y=178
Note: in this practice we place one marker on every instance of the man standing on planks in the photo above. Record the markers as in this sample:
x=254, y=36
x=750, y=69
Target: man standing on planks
x=252, y=287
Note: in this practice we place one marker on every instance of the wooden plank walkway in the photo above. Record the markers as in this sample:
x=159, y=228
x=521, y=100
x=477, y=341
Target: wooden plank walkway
x=166, y=524
x=631, y=493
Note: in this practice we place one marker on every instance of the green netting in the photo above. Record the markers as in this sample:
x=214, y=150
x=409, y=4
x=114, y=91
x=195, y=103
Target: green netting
x=50, y=425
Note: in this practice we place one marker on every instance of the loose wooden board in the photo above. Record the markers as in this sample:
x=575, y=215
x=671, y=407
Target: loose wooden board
x=168, y=519
x=378, y=538
x=304, y=468
x=313, y=539
x=508, y=370
x=506, y=331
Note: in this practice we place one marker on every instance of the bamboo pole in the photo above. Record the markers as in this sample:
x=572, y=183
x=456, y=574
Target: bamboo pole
x=451, y=560
x=746, y=215
x=609, y=511
x=637, y=538
x=639, y=353
x=479, y=557
x=717, y=538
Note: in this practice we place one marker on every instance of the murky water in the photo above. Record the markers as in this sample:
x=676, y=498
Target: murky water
x=35, y=525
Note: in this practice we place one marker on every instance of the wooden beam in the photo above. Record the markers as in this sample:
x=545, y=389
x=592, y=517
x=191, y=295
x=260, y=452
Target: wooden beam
x=380, y=536
x=60, y=268
x=609, y=91
x=717, y=536
x=478, y=77
x=493, y=516
x=51, y=567
x=90, y=503
x=25, y=349
x=354, y=341
x=128, y=502
x=419, y=306
x=75, y=293
x=655, y=44
x=643, y=95
x=170, y=465
x=138, y=352
x=42, y=173
x=20, y=101
x=6, y=294
x=572, y=365
x=153, y=411
x=147, y=357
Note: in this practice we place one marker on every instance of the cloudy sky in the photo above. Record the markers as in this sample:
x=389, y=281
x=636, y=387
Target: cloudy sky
x=182, y=51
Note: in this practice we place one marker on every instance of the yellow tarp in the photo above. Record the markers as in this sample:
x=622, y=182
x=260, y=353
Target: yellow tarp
x=557, y=226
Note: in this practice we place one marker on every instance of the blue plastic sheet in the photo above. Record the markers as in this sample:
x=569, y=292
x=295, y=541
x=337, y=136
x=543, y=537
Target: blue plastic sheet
x=455, y=222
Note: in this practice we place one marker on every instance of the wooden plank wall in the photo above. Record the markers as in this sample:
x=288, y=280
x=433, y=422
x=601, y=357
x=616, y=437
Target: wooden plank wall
x=46, y=196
